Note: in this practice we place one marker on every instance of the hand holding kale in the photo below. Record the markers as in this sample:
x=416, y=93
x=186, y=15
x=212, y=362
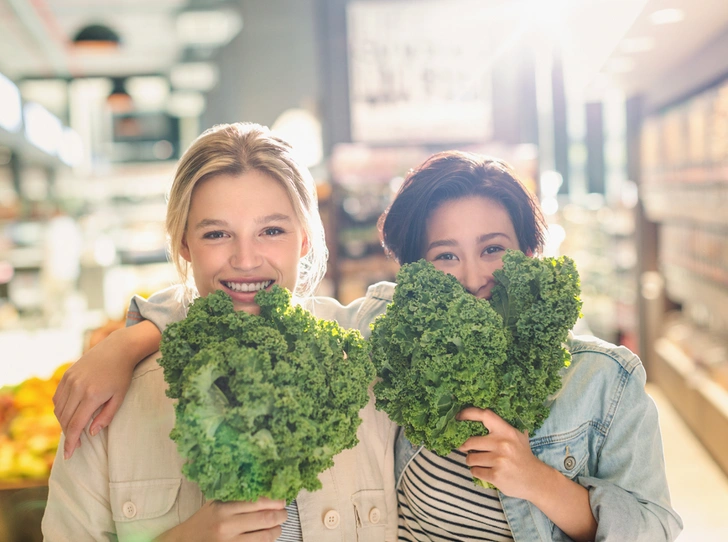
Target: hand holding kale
x=264, y=402
x=439, y=349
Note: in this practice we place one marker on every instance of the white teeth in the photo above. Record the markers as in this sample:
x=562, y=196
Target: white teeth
x=247, y=286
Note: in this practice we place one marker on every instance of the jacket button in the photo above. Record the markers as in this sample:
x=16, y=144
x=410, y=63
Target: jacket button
x=129, y=509
x=375, y=515
x=569, y=462
x=331, y=519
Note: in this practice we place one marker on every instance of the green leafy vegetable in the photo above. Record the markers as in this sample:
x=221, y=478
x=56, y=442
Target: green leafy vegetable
x=438, y=349
x=264, y=402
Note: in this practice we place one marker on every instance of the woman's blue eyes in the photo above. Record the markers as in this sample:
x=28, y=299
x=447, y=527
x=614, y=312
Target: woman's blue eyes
x=268, y=232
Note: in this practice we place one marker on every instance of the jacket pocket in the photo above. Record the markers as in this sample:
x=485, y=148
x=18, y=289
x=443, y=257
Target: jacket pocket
x=144, y=509
x=566, y=452
x=370, y=509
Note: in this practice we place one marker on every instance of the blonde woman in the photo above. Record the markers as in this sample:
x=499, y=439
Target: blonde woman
x=242, y=216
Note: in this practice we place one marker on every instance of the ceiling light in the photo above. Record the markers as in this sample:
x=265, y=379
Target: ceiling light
x=201, y=76
x=303, y=131
x=119, y=101
x=667, y=16
x=185, y=104
x=148, y=92
x=639, y=44
x=213, y=27
x=97, y=36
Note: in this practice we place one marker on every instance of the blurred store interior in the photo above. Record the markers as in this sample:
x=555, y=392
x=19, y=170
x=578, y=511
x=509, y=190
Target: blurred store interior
x=615, y=112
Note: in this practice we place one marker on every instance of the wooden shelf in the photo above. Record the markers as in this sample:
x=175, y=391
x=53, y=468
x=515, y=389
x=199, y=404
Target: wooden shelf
x=700, y=401
x=6, y=485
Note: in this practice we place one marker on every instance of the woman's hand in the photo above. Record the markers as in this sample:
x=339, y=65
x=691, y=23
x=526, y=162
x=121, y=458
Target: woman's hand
x=236, y=520
x=101, y=378
x=503, y=457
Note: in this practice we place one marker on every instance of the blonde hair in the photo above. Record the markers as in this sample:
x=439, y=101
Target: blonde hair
x=235, y=149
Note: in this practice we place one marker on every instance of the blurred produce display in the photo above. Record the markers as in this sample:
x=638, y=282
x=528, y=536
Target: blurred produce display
x=29, y=431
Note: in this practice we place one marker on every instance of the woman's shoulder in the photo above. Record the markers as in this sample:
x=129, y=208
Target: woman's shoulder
x=357, y=314
x=149, y=367
x=593, y=351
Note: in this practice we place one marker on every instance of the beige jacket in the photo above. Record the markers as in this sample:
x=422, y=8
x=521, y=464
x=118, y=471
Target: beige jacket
x=126, y=483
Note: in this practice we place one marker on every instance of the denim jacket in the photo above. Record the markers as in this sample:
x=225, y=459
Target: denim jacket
x=602, y=432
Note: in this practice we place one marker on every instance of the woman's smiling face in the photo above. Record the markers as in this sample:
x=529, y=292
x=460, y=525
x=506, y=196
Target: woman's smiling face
x=242, y=236
x=467, y=238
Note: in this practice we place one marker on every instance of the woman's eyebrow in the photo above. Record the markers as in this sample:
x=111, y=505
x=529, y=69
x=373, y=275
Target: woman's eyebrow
x=214, y=222
x=488, y=236
x=276, y=217
x=207, y=222
x=442, y=243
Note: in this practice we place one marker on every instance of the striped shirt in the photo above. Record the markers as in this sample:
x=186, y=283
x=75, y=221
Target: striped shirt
x=291, y=528
x=438, y=501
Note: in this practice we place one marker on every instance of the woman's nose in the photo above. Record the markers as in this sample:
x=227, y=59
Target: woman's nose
x=476, y=279
x=245, y=255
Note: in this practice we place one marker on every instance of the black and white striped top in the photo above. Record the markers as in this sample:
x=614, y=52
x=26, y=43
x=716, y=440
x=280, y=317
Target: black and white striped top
x=438, y=501
x=291, y=528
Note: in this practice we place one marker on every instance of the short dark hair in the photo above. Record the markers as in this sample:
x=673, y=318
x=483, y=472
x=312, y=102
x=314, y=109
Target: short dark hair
x=452, y=175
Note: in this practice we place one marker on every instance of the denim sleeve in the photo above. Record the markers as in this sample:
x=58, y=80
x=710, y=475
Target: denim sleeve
x=629, y=495
x=162, y=308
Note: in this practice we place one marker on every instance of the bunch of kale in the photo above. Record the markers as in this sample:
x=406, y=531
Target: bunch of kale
x=439, y=349
x=264, y=402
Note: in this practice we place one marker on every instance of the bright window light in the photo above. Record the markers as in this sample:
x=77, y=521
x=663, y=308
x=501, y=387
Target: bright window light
x=667, y=16
x=11, y=117
x=42, y=128
x=70, y=150
x=619, y=64
x=639, y=44
x=303, y=131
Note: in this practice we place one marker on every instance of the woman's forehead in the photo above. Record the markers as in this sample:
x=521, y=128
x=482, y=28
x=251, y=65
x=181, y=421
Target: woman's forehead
x=469, y=214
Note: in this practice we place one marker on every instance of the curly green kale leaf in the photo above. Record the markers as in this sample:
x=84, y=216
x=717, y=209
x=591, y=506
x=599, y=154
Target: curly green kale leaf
x=264, y=402
x=438, y=349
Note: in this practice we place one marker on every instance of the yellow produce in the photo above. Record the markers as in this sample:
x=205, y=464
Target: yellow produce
x=29, y=431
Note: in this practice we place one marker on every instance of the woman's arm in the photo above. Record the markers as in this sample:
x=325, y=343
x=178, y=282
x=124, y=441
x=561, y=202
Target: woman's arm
x=629, y=496
x=504, y=459
x=101, y=378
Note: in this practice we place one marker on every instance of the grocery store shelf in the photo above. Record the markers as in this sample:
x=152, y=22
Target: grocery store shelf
x=697, y=398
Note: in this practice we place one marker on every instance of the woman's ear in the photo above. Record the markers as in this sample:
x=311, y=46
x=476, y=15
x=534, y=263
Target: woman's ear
x=184, y=250
x=305, y=247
